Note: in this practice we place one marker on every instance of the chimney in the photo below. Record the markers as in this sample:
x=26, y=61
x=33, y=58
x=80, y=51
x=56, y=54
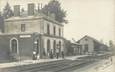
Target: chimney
x=30, y=9
x=17, y=10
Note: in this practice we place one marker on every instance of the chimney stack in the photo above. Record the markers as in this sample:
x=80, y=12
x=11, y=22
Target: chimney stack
x=30, y=9
x=17, y=10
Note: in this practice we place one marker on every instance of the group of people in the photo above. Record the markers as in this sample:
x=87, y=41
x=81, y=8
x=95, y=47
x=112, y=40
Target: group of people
x=55, y=55
x=50, y=55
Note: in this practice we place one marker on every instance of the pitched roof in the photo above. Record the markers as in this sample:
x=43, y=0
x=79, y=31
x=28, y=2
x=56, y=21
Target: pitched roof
x=90, y=38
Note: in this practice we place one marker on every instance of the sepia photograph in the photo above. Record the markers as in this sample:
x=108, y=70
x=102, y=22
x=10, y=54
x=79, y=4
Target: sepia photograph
x=57, y=35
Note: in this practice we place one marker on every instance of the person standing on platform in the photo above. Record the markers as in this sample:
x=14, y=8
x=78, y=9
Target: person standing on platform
x=57, y=53
x=111, y=60
x=62, y=54
x=51, y=54
x=34, y=55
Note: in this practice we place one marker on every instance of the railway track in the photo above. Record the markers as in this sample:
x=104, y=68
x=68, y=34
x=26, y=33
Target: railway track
x=30, y=67
x=45, y=67
x=55, y=66
x=74, y=66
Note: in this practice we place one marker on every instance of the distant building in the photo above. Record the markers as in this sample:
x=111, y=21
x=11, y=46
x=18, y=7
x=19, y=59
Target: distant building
x=77, y=48
x=91, y=45
x=33, y=32
x=72, y=48
x=68, y=49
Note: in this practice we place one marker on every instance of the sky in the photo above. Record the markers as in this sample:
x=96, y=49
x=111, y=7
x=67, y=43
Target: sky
x=95, y=18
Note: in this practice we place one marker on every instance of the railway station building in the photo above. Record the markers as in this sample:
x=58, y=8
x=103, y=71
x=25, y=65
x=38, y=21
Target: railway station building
x=30, y=31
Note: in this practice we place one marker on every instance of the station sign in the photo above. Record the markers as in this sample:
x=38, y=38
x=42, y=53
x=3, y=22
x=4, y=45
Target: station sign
x=25, y=36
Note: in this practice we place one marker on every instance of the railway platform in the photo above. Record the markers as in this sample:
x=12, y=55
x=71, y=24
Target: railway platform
x=27, y=62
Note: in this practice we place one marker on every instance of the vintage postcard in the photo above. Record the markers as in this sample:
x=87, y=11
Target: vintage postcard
x=57, y=35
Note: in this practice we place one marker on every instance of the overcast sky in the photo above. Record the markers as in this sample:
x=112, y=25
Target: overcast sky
x=95, y=18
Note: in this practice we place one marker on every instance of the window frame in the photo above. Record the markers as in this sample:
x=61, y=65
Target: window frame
x=23, y=27
x=54, y=30
x=17, y=46
x=59, y=31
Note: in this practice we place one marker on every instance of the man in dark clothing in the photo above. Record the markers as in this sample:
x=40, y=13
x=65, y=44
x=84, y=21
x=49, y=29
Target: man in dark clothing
x=57, y=53
x=51, y=54
x=62, y=54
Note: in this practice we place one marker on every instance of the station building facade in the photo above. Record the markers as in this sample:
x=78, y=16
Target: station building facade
x=34, y=32
x=18, y=46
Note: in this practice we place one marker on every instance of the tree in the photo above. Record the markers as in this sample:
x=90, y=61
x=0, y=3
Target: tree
x=7, y=11
x=0, y=14
x=110, y=43
x=112, y=46
x=54, y=7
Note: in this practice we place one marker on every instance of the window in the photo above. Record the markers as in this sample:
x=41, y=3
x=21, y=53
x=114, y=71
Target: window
x=23, y=27
x=48, y=29
x=54, y=30
x=48, y=45
x=59, y=32
x=14, y=45
x=54, y=46
x=59, y=46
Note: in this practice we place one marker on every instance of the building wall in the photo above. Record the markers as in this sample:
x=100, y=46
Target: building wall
x=51, y=25
x=4, y=49
x=15, y=26
x=88, y=41
x=51, y=36
x=33, y=25
x=45, y=39
x=25, y=48
x=68, y=48
x=38, y=25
